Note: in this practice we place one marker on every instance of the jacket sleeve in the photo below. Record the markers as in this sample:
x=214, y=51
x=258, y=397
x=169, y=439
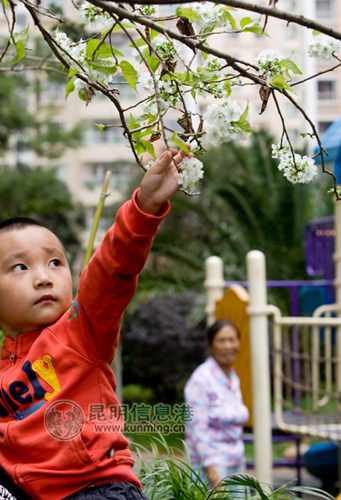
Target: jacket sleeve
x=109, y=281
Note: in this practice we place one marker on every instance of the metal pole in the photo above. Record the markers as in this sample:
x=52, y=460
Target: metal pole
x=260, y=367
x=214, y=285
x=337, y=284
x=116, y=366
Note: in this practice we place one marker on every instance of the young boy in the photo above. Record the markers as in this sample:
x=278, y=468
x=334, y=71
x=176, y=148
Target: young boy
x=55, y=376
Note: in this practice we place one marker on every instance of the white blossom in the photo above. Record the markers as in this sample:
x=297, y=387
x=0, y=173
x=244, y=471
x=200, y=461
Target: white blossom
x=93, y=14
x=190, y=173
x=223, y=119
x=149, y=10
x=269, y=60
x=75, y=55
x=323, y=47
x=209, y=15
x=166, y=48
x=146, y=82
x=167, y=93
x=149, y=164
x=296, y=169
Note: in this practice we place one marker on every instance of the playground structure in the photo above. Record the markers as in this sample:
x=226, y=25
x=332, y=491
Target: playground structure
x=306, y=358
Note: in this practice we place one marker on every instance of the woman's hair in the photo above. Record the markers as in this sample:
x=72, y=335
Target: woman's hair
x=218, y=325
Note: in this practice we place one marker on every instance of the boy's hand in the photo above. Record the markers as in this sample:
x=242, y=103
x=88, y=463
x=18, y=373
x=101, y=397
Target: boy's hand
x=160, y=182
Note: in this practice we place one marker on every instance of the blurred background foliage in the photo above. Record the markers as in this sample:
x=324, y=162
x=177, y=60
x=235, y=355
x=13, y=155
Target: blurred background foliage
x=245, y=203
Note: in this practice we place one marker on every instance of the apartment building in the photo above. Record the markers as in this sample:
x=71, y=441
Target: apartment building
x=83, y=168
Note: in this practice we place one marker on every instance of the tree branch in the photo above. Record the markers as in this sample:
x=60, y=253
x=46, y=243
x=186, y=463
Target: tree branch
x=253, y=7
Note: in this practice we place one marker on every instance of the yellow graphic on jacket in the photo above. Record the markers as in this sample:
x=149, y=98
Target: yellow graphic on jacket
x=47, y=374
x=25, y=396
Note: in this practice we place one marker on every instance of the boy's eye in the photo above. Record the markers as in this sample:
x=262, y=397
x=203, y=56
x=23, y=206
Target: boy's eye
x=55, y=263
x=19, y=267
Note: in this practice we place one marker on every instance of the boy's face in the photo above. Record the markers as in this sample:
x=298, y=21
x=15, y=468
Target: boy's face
x=35, y=280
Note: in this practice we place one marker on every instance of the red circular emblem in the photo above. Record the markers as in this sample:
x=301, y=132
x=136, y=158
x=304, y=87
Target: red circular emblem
x=64, y=420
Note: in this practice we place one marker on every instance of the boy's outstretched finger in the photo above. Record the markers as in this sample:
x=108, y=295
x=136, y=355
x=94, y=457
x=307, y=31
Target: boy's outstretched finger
x=180, y=155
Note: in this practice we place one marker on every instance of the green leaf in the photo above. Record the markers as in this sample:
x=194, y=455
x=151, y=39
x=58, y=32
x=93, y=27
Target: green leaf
x=227, y=88
x=101, y=127
x=81, y=95
x=5, y=2
x=179, y=143
x=245, y=21
x=20, y=48
x=287, y=63
x=230, y=19
x=139, y=148
x=151, y=60
x=149, y=147
x=70, y=87
x=143, y=133
x=106, y=51
x=140, y=42
x=315, y=33
x=280, y=82
x=105, y=67
x=126, y=24
x=188, y=13
x=133, y=123
x=244, y=125
x=255, y=29
x=154, y=33
x=129, y=73
x=106, y=30
x=22, y=36
x=91, y=48
x=73, y=72
x=204, y=55
x=245, y=113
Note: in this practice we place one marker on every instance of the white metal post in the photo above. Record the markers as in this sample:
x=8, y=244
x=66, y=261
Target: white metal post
x=214, y=285
x=260, y=366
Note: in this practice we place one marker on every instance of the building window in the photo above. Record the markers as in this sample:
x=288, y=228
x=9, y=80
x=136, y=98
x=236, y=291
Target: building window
x=322, y=126
x=113, y=134
x=289, y=5
x=289, y=32
x=326, y=89
x=325, y=9
x=94, y=173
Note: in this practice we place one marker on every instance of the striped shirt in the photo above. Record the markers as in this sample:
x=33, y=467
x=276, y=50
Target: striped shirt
x=215, y=433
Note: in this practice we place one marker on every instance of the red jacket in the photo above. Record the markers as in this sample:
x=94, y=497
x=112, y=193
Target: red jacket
x=49, y=378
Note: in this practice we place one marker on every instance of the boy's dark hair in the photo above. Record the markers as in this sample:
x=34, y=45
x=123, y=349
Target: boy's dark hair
x=218, y=325
x=18, y=223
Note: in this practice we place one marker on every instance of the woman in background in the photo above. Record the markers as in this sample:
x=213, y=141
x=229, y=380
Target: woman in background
x=214, y=437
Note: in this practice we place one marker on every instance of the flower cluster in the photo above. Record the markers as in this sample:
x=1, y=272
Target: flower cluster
x=323, y=47
x=166, y=48
x=168, y=96
x=190, y=173
x=268, y=60
x=226, y=122
x=75, y=55
x=149, y=10
x=296, y=169
x=215, y=81
x=93, y=14
x=209, y=15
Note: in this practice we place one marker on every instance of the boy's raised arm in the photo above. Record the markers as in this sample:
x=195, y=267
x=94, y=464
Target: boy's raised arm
x=109, y=281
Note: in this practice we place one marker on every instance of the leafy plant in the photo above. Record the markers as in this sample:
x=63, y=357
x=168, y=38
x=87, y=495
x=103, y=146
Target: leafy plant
x=166, y=477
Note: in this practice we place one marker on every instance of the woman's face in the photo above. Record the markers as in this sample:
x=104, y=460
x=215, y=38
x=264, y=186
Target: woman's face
x=225, y=346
